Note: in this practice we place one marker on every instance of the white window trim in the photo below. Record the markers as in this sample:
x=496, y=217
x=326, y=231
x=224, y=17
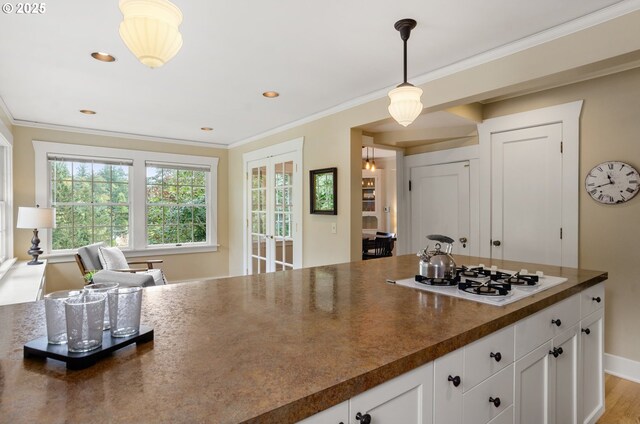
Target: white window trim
x=8, y=192
x=137, y=194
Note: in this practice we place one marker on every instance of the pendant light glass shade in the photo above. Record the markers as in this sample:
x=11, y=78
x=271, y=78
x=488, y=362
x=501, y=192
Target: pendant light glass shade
x=405, y=104
x=150, y=30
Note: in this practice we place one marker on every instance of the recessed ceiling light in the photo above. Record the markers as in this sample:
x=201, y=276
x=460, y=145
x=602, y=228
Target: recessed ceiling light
x=206, y=129
x=271, y=94
x=87, y=112
x=103, y=57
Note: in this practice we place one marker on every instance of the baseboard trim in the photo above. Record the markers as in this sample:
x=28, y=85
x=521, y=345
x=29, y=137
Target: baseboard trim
x=622, y=367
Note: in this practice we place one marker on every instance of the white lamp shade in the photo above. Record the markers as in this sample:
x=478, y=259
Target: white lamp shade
x=150, y=30
x=405, y=104
x=35, y=218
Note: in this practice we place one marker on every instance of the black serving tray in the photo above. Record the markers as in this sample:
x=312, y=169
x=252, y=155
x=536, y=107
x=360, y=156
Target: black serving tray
x=79, y=360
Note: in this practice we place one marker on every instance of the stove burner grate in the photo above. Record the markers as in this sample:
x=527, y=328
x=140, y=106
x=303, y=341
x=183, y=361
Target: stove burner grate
x=485, y=289
x=438, y=282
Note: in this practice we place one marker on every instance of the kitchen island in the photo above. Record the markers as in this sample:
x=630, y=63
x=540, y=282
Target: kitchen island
x=272, y=348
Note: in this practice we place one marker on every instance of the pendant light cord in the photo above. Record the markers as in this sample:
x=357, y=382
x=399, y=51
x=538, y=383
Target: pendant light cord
x=405, y=59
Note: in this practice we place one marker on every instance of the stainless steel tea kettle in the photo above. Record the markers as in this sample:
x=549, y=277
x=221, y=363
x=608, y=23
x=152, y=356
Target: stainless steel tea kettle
x=436, y=263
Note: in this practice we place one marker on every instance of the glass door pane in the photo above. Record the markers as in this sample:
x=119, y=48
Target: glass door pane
x=283, y=211
x=258, y=217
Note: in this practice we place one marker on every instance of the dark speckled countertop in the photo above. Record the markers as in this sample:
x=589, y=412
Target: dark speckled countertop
x=273, y=348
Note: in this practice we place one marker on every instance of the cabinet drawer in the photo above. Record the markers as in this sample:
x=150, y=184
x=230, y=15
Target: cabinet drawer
x=447, y=397
x=505, y=418
x=476, y=407
x=336, y=414
x=531, y=332
x=485, y=357
x=591, y=299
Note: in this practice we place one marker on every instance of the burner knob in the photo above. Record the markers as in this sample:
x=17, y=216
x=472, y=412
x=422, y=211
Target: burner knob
x=596, y=299
x=586, y=331
x=364, y=419
x=455, y=380
x=496, y=243
x=496, y=401
x=556, y=322
x=497, y=356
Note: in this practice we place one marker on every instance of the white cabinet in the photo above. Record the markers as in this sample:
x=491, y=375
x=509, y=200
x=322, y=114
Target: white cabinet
x=487, y=356
x=532, y=395
x=448, y=381
x=489, y=398
x=546, y=382
x=406, y=399
x=564, y=377
x=592, y=374
x=338, y=414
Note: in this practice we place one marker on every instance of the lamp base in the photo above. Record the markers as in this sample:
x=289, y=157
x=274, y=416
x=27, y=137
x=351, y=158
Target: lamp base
x=35, y=250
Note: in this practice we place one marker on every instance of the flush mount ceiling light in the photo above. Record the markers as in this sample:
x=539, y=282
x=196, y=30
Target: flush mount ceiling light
x=150, y=30
x=405, y=103
x=87, y=112
x=103, y=57
x=271, y=94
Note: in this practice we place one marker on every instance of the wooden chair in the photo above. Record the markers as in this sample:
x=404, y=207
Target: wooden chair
x=88, y=261
x=383, y=247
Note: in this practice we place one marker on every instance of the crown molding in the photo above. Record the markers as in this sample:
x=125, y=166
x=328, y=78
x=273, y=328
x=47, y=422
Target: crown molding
x=56, y=127
x=603, y=15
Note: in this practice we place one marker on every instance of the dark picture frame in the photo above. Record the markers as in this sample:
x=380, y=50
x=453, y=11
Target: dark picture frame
x=324, y=191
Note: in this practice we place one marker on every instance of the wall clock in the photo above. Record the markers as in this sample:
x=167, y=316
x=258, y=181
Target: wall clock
x=612, y=182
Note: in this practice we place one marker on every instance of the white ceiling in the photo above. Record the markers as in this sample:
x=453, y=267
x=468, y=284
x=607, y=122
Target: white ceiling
x=317, y=54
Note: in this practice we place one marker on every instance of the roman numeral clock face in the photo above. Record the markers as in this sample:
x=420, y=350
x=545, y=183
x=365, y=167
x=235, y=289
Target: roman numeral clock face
x=612, y=182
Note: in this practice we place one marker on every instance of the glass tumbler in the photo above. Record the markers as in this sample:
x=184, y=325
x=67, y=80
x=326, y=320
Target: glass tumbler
x=54, y=311
x=102, y=288
x=85, y=317
x=125, y=305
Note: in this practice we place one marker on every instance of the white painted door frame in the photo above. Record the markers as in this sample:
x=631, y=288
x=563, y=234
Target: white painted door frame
x=405, y=163
x=294, y=146
x=569, y=115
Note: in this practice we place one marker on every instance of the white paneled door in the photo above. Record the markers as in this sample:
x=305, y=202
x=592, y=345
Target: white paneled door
x=526, y=195
x=272, y=225
x=440, y=205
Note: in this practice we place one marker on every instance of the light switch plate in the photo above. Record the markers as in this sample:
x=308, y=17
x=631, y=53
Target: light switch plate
x=334, y=228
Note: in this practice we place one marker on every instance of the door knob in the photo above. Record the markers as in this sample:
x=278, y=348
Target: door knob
x=463, y=240
x=586, y=331
x=496, y=243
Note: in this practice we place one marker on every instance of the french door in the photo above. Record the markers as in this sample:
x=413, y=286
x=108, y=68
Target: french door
x=273, y=214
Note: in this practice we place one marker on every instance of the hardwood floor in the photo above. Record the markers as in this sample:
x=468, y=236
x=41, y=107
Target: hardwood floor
x=622, y=400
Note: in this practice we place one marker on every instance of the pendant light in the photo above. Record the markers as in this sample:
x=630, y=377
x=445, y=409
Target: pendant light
x=367, y=164
x=405, y=103
x=373, y=162
x=150, y=30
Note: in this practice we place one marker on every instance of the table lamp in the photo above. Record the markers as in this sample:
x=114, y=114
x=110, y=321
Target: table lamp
x=36, y=218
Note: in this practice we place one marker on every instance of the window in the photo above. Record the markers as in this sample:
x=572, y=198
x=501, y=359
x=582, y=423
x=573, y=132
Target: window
x=91, y=197
x=176, y=204
x=143, y=202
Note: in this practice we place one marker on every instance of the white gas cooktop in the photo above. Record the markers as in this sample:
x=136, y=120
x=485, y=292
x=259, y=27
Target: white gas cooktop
x=516, y=293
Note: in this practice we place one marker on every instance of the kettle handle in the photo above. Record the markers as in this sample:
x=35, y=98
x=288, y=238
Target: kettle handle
x=440, y=238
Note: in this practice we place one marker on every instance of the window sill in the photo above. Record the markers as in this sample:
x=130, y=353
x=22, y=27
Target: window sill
x=55, y=258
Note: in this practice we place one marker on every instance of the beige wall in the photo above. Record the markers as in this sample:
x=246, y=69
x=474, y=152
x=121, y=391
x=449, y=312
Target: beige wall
x=609, y=235
x=67, y=275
